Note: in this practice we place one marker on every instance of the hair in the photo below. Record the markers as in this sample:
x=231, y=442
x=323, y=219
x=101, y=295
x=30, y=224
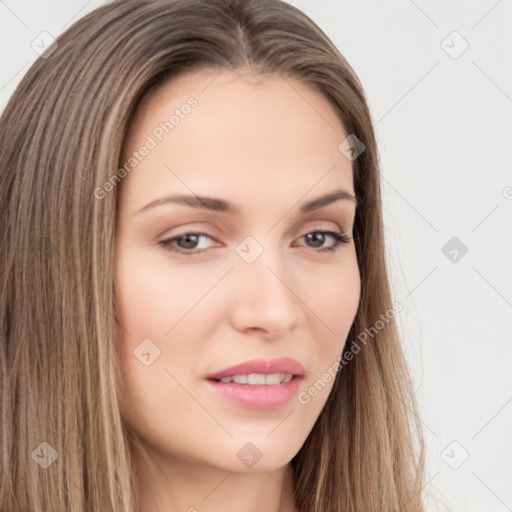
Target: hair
x=61, y=137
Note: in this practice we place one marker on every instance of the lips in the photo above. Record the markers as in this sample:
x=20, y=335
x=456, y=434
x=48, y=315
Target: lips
x=261, y=366
x=262, y=397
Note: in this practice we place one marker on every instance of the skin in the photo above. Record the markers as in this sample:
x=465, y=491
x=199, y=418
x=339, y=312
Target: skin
x=267, y=145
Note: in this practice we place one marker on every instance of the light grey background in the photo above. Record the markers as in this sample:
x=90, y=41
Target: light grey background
x=444, y=126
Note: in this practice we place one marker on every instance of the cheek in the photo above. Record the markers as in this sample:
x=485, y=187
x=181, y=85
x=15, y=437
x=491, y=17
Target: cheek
x=334, y=299
x=334, y=306
x=153, y=297
x=169, y=305
x=342, y=299
x=156, y=302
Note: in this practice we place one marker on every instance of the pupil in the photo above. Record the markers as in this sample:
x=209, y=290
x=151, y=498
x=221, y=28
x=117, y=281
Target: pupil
x=189, y=244
x=316, y=237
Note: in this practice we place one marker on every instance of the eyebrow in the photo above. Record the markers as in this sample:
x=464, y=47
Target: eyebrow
x=223, y=206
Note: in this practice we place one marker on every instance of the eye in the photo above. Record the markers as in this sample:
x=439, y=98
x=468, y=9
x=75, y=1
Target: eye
x=318, y=237
x=186, y=243
x=189, y=240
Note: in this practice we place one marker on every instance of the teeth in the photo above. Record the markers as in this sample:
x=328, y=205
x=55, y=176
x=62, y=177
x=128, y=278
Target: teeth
x=259, y=379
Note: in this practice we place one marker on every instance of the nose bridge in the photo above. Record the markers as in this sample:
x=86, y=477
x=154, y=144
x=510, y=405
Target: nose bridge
x=264, y=297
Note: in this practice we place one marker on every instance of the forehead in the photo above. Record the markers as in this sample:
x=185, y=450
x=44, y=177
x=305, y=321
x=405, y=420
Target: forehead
x=254, y=134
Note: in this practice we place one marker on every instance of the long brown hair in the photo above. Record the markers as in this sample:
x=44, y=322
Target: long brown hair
x=61, y=138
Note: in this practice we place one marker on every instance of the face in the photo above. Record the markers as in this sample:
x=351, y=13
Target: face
x=204, y=285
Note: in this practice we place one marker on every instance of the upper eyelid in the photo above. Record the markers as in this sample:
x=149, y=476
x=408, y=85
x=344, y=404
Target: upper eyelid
x=317, y=224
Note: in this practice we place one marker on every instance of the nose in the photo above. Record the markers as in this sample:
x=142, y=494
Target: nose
x=266, y=298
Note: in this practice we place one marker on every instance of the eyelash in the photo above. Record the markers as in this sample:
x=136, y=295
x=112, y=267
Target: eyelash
x=340, y=238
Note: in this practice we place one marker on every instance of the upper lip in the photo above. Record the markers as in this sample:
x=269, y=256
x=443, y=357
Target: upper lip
x=262, y=366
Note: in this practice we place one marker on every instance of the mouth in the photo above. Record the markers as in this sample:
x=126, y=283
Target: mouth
x=258, y=384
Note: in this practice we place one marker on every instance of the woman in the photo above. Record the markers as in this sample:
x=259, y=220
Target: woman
x=257, y=364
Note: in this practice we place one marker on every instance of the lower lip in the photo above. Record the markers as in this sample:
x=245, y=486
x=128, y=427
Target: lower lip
x=258, y=396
